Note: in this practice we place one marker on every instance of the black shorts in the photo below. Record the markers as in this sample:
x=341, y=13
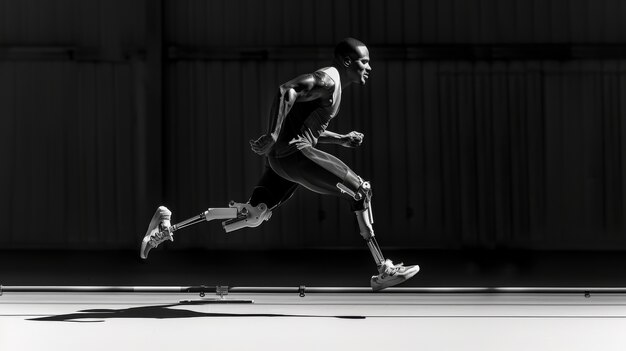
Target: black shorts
x=309, y=167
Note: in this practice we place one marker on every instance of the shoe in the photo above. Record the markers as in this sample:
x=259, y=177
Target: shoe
x=158, y=231
x=391, y=275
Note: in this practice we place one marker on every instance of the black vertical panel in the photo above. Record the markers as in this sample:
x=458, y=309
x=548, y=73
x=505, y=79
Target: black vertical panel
x=488, y=19
x=324, y=21
x=124, y=162
x=308, y=21
x=518, y=114
x=217, y=24
x=558, y=21
x=620, y=12
x=502, y=153
x=79, y=157
x=572, y=175
x=605, y=17
x=35, y=122
x=7, y=153
x=414, y=180
x=541, y=21
x=445, y=25
x=505, y=21
x=622, y=142
x=523, y=17
x=434, y=206
x=105, y=125
x=59, y=189
x=411, y=18
x=343, y=25
x=613, y=201
x=468, y=182
x=272, y=25
x=590, y=108
x=579, y=14
x=397, y=150
x=449, y=142
x=536, y=141
x=601, y=20
x=395, y=26
x=484, y=154
x=291, y=29
x=254, y=22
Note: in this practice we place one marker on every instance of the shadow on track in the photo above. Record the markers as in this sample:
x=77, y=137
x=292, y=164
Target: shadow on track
x=160, y=312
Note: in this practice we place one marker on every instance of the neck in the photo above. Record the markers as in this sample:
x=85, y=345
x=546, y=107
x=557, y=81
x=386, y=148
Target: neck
x=345, y=82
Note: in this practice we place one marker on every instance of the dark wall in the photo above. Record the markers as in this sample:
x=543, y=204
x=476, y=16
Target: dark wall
x=488, y=123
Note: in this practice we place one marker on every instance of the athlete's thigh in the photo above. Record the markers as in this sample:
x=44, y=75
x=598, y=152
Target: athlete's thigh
x=316, y=170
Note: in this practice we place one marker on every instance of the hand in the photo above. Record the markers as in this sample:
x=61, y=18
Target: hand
x=263, y=144
x=352, y=139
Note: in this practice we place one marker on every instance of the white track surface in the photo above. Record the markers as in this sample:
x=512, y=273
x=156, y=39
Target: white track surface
x=393, y=322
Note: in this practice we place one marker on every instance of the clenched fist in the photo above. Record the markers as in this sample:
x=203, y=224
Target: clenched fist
x=352, y=139
x=263, y=144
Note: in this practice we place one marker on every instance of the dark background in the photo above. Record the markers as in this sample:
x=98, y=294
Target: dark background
x=490, y=125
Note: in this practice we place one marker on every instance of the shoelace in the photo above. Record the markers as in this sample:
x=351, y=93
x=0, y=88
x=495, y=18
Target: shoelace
x=159, y=237
x=392, y=269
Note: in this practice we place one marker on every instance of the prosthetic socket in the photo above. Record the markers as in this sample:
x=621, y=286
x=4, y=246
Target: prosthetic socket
x=247, y=216
x=365, y=217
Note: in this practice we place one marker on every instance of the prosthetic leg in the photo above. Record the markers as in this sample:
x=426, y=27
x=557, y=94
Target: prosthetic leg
x=237, y=215
x=389, y=274
x=365, y=218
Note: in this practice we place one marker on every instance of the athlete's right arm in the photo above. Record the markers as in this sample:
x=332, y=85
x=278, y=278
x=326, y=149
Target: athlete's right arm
x=306, y=87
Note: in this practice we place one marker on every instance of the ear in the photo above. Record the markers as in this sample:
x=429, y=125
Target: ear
x=347, y=61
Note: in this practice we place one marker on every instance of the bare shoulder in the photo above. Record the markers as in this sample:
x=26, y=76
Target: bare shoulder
x=323, y=81
x=317, y=81
x=311, y=86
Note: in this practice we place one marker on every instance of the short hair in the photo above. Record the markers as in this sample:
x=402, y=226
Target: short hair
x=347, y=47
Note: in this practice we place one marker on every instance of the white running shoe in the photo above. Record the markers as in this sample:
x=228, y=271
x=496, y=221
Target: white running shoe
x=158, y=231
x=391, y=275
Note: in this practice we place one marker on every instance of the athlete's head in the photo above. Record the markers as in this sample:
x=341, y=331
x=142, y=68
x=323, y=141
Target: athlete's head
x=352, y=55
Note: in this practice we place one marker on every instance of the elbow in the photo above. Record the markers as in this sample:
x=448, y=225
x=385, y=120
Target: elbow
x=287, y=93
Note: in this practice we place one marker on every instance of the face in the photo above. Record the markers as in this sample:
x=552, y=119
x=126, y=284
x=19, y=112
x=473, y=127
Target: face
x=360, y=68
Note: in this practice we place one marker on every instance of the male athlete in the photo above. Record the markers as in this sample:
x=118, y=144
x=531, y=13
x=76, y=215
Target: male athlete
x=300, y=114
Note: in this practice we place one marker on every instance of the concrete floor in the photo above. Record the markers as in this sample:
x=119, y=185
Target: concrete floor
x=117, y=321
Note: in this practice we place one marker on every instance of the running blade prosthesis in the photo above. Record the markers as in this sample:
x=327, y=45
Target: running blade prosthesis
x=158, y=231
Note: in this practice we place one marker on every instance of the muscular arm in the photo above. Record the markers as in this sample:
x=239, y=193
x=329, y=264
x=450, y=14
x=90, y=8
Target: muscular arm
x=328, y=137
x=307, y=87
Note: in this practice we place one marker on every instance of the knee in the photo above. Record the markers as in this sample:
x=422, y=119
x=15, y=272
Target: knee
x=360, y=193
x=247, y=216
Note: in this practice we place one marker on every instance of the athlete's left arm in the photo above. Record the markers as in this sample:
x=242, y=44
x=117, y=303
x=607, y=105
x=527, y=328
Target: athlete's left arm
x=352, y=139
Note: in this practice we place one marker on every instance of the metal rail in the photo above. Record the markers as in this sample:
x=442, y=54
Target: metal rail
x=302, y=290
